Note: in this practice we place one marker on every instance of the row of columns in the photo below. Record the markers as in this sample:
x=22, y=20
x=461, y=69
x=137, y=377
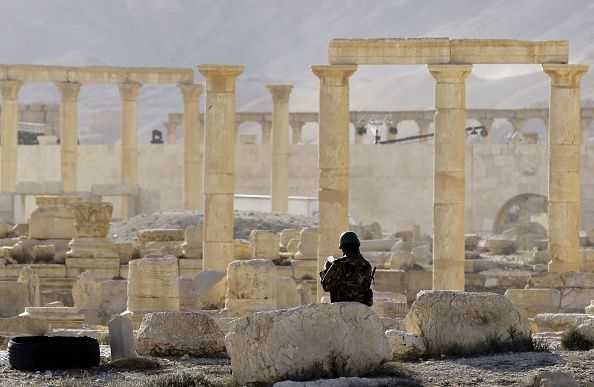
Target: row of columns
x=69, y=92
x=449, y=163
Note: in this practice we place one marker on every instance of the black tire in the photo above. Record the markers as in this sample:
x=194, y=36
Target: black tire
x=38, y=353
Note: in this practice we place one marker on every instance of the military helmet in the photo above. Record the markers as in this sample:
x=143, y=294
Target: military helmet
x=348, y=238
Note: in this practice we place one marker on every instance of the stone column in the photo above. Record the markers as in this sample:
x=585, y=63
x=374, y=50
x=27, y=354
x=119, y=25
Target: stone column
x=333, y=194
x=448, y=180
x=390, y=135
x=193, y=147
x=279, y=190
x=423, y=129
x=297, y=127
x=585, y=130
x=359, y=139
x=517, y=124
x=564, y=166
x=488, y=124
x=69, y=134
x=219, y=164
x=171, y=128
x=129, y=132
x=9, y=134
x=266, y=131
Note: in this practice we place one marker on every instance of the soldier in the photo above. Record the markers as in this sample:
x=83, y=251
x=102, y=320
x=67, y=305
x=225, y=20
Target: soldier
x=348, y=278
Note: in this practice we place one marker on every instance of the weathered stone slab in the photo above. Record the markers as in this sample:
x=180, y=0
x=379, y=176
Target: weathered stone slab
x=180, y=333
x=205, y=291
x=160, y=235
x=121, y=338
x=25, y=325
x=340, y=339
x=264, y=244
x=286, y=293
x=447, y=319
x=556, y=322
x=52, y=222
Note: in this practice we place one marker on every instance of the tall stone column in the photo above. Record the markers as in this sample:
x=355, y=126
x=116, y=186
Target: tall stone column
x=219, y=164
x=129, y=132
x=69, y=134
x=266, y=131
x=564, y=166
x=9, y=134
x=423, y=128
x=279, y=190
x=448, y=180
x=297, y=127
x=488, y=124
x=193, y=145
x=333, y=194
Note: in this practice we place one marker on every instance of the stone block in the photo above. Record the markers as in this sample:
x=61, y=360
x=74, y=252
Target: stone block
x=85, y=292
x=121, y=338
x=113, y=295
x=576, y=299
x=405, y=346
x=379, y=259
x=14, y=298
x=153, y=276
x=52, y=222
x=264, y=244
x=287, y=295
x=92, y=219
x=43, y=253
x=162, y=248
x=556, y=322
x=308, y=244
x=102, y=268
x=180, y=333
x=194, y=235
x=204, y=291
x=465, y=319
x=251, y=279
x=24, y=325
x=125, y=252
x=471, y=241
x=64, y=317
x=189, y=268
x=541, y=297
x=161, y=235
x=422, y=254
x=316, y=334
x=402, y=260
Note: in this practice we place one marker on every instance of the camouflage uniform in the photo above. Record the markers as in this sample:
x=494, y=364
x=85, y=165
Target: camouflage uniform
x=349, y=279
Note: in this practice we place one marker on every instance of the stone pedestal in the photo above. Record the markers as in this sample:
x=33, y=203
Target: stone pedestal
x=251, y=287
x=448, y=180
x=152, y=286
x=279, y=191
x=91, y=249
x=264, y=244
x=193, y=147
x=564, y=166
x=333, y=194
x=219, y=164
x=69, y=134
x=9, y=134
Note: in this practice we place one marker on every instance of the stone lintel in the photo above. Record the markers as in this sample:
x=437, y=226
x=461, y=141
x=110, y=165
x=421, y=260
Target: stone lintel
x=96, y=74
x=507, y=51
x=388, y=51
x=446, y=51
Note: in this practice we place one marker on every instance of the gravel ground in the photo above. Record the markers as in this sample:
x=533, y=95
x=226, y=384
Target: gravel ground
x=516, y=369
x=245, y=222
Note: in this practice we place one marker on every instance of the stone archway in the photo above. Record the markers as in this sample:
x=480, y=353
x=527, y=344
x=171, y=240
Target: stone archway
x=518, y=210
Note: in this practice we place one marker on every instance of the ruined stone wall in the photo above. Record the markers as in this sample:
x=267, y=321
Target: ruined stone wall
x=390, y=184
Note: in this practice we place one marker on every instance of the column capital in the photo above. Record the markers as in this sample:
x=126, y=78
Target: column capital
x=129, y=90
x=69, y=90
x=10, y=88
x=297, y=124
x=450, y=73
x=220, y=78
x=334, y=75
x=190, y=91
x=280, y=93
x=565, y=75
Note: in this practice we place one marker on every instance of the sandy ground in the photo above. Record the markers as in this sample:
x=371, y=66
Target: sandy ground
x=245, y=222
x=516, y=369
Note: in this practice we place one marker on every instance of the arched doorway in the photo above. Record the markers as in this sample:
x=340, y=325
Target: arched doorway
x=519, y=209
